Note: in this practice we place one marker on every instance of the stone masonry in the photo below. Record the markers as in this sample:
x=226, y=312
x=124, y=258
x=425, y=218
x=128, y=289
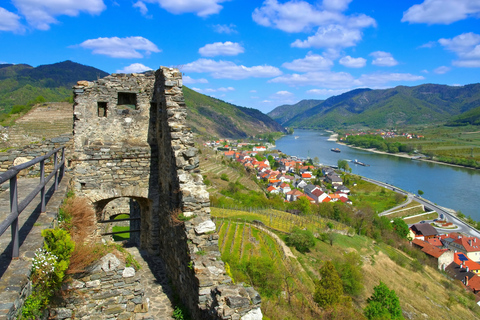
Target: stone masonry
x=131, y=140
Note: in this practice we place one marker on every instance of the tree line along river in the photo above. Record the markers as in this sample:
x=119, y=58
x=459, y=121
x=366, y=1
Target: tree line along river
x=452, y=187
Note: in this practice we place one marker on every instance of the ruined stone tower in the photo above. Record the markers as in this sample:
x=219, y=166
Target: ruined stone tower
x=131, y=141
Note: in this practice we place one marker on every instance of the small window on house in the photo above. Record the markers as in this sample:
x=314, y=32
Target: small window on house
x=127, y=100
x=102, y=109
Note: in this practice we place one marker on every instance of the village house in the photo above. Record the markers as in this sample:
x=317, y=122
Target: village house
x=334, y=179
x=423, y=231
x=468, y=245
x=293, y=195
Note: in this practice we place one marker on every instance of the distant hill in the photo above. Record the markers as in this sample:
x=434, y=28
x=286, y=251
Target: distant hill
x=22, y=83
x=469, y=117
x=284, y=113
x=424, y=104
x=215, y=118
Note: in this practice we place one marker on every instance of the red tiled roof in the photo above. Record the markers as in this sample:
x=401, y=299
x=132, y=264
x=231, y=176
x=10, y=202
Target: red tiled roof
x=429, y=249
x=435, y=242
x=317, y=192
x=472, y=265
x=271, y=188
x=474, y=283
x=471, y=244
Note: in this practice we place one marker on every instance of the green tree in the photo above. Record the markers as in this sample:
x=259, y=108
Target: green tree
x=420, y=192
x=350, y=271
x=302, y=240
x=400, y=227
x=264, y=275
x=343, y=164
x=383, y=304
x=316, y=161
x=329, y=289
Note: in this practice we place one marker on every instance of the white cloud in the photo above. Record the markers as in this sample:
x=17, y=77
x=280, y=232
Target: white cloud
x=253, y=91
x=120, y=47
x=327, y=92
x=226, y=89
x=266, y=101
x=376, y=79
x=190, y=80
x=350, y=62
x=223, y=28
x=141, y=6
x=467, y=48
x=227, y=48
x=229, y=70
x=442, y=70
x=383, y=59
x=202, y=8
x=339, y=80
x=424, y=71
x=198, y=90
x=311, y=62
x=41, y=13
x=331, y=36
x=336, y=5
x=134, y=68
x=326, y=79
x=442, y=11
x=9, y=21
x=429, y=44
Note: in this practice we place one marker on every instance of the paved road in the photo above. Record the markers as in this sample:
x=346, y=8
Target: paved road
x=462, y=226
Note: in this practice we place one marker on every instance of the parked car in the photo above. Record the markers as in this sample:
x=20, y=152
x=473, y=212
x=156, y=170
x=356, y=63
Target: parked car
x=423, y=221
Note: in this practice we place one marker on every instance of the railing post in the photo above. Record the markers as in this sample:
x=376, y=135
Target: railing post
x=62, y=168
x=42, y=182
x=55, y=168
x=14, y=209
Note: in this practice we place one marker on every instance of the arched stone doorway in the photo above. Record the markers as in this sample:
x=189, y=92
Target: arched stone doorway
x=134, y=213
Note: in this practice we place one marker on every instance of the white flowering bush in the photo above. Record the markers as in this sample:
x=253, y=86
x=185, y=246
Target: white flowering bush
x=43, y=266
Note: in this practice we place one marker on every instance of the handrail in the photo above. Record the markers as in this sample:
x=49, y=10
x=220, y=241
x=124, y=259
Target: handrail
x=17, y=208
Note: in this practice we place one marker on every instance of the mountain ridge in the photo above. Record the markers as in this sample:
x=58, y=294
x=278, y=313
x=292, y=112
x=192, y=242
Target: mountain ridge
x=377, y=108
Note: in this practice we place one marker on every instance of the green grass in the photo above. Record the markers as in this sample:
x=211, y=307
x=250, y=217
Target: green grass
x=121, y=236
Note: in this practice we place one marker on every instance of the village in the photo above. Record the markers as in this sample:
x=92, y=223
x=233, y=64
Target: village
x=454, y=253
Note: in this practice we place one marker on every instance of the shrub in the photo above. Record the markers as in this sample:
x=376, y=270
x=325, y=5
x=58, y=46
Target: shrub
x=78, y=218
x=302, y=240
x=224, y=177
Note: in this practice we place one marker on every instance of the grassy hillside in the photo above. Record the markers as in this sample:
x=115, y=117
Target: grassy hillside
x=399, y=106
x=288, y=288
x=211, y=117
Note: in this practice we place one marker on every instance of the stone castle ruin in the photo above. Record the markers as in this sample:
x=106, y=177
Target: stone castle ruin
x=131, y=141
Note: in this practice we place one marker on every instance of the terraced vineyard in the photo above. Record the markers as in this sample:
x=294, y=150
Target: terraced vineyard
x=240, y=243
x=278, y=220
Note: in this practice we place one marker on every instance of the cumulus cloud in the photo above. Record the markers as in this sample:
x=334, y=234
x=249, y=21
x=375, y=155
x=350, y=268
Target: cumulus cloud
x=336, y=5
x=339, y=80
x=350, y=62
x=9, y=21
x=223, y=28
x=227, y=48
x=190, y=80
x=311, y=62
x=442, y=70
x=383, y=59
x=331, y=36
x=41, y=13
x=333, y=28
x=467, y=48
x=229, y=70
x=442, y=11
x=115, y=47
x=141, y=6
x=134, y=68
x=201, y=8
x=429, y=44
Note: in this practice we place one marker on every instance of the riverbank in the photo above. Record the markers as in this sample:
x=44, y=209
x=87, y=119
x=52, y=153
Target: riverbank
x=403, y=155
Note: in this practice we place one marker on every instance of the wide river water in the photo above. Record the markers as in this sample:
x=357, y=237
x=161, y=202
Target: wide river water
x=448, y=186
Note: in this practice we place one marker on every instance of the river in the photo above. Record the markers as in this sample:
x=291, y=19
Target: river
x=452, y=187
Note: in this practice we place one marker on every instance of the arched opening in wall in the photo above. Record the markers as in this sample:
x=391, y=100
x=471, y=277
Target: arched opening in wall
x=119, y=219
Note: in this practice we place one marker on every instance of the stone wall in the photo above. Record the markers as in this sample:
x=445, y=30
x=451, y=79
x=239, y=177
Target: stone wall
x=108, y=290
x=18, y=156
x=131, y=140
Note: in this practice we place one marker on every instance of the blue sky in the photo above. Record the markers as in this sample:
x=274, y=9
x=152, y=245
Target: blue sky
x=258, y=54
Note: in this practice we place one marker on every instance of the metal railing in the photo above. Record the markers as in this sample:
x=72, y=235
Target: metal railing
x=15, y=207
